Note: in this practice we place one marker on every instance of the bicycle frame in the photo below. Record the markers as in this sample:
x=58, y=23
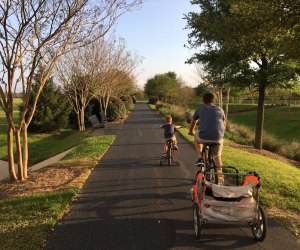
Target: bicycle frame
x=209, y=163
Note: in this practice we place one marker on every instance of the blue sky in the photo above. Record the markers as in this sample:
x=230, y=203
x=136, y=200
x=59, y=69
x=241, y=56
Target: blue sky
x=156, y=32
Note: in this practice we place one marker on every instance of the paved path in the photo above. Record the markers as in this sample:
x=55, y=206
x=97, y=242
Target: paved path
x=130, y=202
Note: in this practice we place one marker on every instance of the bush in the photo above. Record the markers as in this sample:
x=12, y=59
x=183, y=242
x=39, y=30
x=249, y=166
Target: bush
x=271, y=143
x=153, y=100
x=128, y=101
x=291, y=150
x=52, y=109
x=116, y=109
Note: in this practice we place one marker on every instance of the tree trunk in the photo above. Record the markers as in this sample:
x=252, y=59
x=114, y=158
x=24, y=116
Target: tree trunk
x=101, y=104
x=289, y=104
x=227, y=103
x=82, y=119
x=20, y=155
x=260, y=118
x=78, y=121
x=10, y=153
x=220, y=98
x=25, y=151
x=106, y=105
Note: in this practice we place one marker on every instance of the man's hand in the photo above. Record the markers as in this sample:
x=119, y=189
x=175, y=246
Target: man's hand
x=192, y=132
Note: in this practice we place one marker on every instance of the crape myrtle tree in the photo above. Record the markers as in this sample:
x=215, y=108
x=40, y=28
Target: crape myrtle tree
x=259, y=31
x=102, y=69
x=37, y=33
x=165, y=86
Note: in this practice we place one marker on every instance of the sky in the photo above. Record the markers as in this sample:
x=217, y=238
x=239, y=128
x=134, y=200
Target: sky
x=157, y=33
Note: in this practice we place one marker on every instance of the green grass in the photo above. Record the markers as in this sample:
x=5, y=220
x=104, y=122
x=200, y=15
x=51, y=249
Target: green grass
x=152, y=106
x=278, y=122
x=232, y=108
x=280, y=181
x=91, y=147
x=40, y=146
x=26, y=222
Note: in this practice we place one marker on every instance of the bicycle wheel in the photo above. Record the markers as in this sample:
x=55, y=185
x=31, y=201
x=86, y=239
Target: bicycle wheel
x=169, y=156
x=259, y=227
x=197, y=221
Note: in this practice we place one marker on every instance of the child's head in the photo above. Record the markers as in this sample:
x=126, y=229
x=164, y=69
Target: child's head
x=168, y=119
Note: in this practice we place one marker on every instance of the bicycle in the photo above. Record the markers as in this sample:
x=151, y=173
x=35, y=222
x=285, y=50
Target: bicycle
x=209, y=162
x=169, y=158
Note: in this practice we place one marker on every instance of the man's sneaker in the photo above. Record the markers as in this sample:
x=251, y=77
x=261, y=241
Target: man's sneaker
x=199, y=162
x=175, y=147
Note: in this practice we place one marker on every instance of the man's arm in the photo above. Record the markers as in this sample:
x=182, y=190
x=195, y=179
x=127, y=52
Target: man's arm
x=192, y=127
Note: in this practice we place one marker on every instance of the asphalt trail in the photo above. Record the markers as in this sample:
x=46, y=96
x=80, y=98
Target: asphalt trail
x=130, y=202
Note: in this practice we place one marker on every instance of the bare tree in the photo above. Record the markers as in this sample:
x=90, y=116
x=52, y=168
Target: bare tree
x=39, y=32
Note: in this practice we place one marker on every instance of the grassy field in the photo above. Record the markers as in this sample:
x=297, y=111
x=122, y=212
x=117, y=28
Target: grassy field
x=26, y=222
x=231, y=108
x=278, y=122
x=40, y=146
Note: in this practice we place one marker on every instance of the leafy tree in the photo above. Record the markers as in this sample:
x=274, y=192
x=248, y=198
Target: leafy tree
x=251, y=31
x=52, y=109
x=163, y=86
x=200, y=90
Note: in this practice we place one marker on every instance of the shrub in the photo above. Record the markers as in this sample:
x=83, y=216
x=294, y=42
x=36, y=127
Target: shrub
x=52, y=109
x=116, y=109
x=271, y=143
x=240, y=131
x=178, y=113
x=128, y=101
x=153, y=100
x=291, y=150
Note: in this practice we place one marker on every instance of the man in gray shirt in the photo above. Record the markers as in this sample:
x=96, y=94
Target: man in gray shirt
x=212, y=123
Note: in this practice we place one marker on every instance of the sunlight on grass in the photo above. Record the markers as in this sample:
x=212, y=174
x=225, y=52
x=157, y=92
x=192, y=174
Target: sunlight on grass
x=25, y=222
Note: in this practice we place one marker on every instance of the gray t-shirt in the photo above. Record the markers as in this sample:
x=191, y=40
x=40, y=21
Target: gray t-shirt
x=211, y=122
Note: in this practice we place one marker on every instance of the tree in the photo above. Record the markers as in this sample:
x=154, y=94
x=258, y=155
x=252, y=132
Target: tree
x=52, y=109
x=250, y=29
x=103, y=69
x=163, y=86
x=37, y=33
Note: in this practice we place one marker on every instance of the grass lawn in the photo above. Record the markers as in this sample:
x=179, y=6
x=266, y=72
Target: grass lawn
x=40, y=146
x=232, y=108
x=26, y=221
x=278, y=122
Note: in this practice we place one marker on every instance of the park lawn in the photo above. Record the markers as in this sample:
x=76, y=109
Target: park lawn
x=40, y=146
x=232, y=108
x=280, y=181
x=27, y=221
x=278, y=122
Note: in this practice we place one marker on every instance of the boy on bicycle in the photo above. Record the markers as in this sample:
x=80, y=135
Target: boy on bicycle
x=169, y=133
x=212, y=123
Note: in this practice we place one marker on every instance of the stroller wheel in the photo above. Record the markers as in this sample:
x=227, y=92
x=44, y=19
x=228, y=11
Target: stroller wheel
x=197, y=221
x=259, y=227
